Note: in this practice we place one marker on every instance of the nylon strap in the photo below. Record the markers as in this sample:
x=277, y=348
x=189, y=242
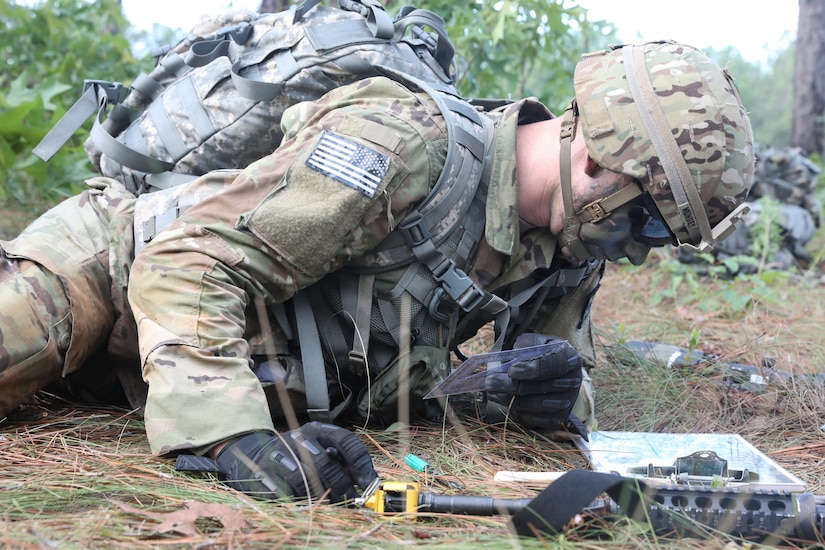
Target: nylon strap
x=556, y=505
x=363, y=313
x=443, y=50
x=600, y=209
x=312, y=359
x=302, y=8
x=97, y=95
x=570, y=234
x=685, y=193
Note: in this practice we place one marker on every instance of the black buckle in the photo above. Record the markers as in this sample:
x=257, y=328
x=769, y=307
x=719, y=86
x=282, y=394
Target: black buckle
x=115, y=91
x=413, y=230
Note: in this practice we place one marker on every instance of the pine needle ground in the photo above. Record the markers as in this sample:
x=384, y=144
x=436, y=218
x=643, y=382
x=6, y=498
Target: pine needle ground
x=83, y=477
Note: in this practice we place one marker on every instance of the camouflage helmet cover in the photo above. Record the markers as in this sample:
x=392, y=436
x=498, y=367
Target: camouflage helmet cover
x=698, y=104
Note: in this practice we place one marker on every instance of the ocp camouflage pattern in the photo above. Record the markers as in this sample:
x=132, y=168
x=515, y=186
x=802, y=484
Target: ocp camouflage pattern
x=702, y=106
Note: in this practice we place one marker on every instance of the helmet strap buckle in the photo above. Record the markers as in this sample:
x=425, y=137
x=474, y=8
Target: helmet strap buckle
x=596, y=211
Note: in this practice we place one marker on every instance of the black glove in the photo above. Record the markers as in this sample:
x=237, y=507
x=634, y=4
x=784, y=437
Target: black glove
x=539, y=393
x=272, y=466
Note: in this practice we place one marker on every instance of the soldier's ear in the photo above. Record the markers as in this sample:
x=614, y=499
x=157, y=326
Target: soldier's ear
x=591, y=168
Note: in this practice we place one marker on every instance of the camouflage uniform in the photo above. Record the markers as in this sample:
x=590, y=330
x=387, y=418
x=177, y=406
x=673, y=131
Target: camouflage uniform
x=786, y=181
x=63, y=296
x=283, y=226
x=64, y=315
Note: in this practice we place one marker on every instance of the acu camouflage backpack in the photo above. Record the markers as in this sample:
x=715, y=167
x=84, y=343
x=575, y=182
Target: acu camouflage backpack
x=215, y=100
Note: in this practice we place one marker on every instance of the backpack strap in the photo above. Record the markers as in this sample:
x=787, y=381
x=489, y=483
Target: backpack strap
x=97, y=95
x=378, y=20
x=312, y=359
x=362, y=295
x=430, y=223
x=440, y=45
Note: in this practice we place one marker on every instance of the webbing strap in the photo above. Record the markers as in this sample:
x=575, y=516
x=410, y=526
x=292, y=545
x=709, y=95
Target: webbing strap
x=378, y=20
x=443, y=50
x=570, y=234
x=124, y=154
x=363, y=313
x=97, y=95
x=556, y=505
x=456, y=185
x=167, y=180
x=147, y=86
x=312, y=359
x=302, y=8
x=561, y=278
x=259, y=90
x=685, y=193
x=601, y=208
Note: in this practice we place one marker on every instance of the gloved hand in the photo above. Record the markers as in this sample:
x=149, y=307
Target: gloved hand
x=270, y=466
x=539, y=393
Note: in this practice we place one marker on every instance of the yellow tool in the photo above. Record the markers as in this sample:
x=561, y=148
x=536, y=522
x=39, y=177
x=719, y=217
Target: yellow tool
x=394, y=497
x=406, y=498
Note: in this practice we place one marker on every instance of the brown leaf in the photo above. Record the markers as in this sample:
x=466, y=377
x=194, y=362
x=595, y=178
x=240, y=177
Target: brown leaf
x=183, y=521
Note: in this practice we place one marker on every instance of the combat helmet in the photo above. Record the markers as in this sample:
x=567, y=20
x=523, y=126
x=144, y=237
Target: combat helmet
x=669, y=117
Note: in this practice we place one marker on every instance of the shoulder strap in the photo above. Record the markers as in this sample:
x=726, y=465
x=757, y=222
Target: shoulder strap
x=430, y=223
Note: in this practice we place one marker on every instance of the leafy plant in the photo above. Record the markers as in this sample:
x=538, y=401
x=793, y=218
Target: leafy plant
x=519, y=48
x=713, y=289
x=49, y=48
x=767, y=233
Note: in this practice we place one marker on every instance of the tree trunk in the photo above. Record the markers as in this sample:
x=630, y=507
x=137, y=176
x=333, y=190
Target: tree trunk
x=809, y=79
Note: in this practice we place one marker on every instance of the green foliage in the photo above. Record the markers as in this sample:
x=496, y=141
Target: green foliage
x=693, y=341
x=714, y=290
x=47, y=52
x=767, y=233
x=514, y=49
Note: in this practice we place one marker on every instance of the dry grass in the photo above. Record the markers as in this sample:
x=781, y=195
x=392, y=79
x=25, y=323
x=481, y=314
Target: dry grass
x=78, y=477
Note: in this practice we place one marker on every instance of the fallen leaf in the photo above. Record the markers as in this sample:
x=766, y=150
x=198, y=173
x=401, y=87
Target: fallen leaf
x=183, y=521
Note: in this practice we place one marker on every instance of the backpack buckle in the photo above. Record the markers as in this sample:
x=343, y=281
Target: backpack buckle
x=357, y=363
x=115, y=92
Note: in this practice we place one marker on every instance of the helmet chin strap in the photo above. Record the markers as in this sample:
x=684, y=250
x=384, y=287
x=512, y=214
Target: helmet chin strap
x=596, y=210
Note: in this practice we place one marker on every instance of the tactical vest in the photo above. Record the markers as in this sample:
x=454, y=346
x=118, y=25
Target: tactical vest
x=351, y=323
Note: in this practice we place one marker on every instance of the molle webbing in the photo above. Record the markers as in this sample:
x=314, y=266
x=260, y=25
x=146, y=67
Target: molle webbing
x=437, y=234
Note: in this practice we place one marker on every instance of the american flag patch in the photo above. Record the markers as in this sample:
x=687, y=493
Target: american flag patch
x=350, y=163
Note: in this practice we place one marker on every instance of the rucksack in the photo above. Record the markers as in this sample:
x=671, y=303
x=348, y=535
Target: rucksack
x=214, y=100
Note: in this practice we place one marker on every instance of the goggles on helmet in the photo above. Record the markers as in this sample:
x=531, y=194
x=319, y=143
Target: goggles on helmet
x=647, y=224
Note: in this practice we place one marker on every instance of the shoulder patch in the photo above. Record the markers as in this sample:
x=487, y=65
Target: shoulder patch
x=349, y=162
